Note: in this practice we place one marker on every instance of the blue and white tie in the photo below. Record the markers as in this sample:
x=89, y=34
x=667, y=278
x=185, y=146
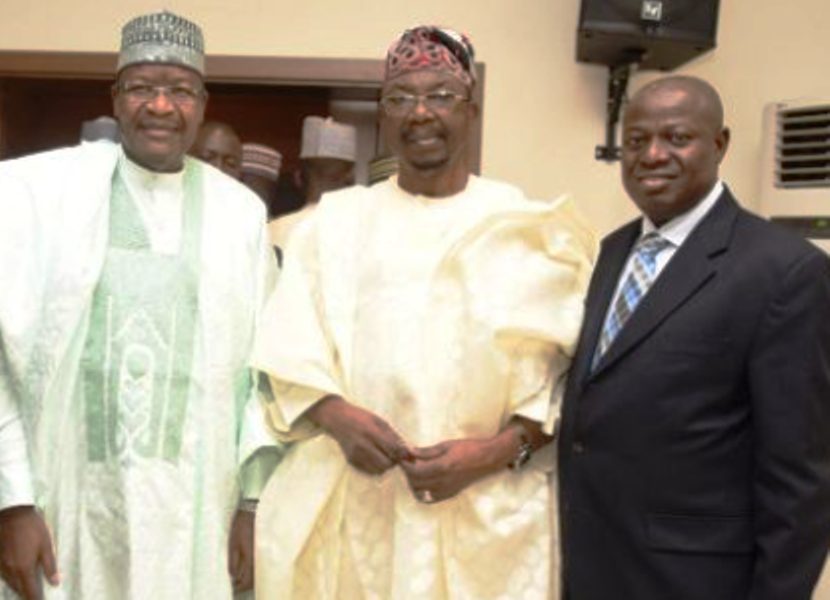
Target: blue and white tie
x=635, y=286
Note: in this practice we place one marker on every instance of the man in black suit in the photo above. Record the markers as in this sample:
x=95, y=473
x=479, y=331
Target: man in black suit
x=695, y=438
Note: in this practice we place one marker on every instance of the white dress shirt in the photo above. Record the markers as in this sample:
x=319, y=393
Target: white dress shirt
x=674, y=231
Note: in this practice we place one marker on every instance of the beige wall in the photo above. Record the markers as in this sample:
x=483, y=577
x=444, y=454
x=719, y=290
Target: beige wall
x=543, y=111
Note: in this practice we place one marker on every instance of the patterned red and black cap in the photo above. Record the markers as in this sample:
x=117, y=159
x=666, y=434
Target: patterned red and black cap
x=428, y=47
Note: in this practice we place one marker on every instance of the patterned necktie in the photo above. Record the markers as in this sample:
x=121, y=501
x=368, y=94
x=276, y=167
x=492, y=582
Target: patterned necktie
x=635, y=286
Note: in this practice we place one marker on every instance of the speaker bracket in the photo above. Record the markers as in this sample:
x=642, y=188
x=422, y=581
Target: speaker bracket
x=618, y=76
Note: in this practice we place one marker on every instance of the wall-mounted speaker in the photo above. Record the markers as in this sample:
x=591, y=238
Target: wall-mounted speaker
x=657, y=34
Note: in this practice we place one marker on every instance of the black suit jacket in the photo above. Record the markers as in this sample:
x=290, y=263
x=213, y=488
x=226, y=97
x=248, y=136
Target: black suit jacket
x=695, y=458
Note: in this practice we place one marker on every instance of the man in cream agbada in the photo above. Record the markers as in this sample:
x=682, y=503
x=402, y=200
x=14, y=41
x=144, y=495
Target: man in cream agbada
x=412, y=346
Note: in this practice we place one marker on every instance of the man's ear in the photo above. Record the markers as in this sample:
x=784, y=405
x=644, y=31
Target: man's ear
x=473, y=108
x=722, y=143
x=114, y=91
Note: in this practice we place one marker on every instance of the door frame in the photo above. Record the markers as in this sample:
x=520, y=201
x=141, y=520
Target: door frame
x=348, y=78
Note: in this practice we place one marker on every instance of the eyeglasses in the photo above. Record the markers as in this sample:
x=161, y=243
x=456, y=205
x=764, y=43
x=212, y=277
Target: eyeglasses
x=181, y=95
x=400, y=104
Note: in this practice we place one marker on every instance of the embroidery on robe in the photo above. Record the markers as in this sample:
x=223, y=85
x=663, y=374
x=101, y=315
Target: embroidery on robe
x=138, y=355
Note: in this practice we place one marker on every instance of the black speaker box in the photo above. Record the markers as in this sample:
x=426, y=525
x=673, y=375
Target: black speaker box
x=657, y=34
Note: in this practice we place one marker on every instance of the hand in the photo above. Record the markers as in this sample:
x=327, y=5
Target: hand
x=241, y=551
x=25, y=545
x=441, y=471
x=368, y=442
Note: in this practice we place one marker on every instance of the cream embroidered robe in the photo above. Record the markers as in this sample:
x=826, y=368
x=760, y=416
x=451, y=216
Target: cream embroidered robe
x=445, y=317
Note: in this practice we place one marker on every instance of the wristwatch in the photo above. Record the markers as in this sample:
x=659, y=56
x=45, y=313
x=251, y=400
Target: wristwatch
x=523, y=455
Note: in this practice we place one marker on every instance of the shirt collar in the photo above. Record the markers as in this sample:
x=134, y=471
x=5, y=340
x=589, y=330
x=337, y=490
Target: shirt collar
x=678, y=229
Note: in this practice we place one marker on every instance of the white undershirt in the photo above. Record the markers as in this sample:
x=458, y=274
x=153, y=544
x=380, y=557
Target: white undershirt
x=675, y=231
x=159, y=198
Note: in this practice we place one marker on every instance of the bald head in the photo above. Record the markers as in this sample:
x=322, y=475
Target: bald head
x=673, y=143
x=698, y=92
x=218, y=145
x=209, y=127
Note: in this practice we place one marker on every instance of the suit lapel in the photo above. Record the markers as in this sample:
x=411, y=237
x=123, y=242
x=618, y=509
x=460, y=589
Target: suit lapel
x=615, y=251
x=689, y=270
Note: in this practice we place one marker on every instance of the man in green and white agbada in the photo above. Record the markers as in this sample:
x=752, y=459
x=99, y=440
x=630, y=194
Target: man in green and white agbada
x=131, y=441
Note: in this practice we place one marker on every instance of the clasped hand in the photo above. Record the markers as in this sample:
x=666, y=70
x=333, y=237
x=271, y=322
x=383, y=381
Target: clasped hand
x=372, y=446
x=368, y=442
x=439, y=472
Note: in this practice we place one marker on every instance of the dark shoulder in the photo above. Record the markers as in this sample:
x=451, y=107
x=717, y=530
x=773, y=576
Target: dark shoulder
x=765, y=257
x=622, y=236
x=772, y=242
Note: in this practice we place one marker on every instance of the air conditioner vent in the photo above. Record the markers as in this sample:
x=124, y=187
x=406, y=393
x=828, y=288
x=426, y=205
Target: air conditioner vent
x=802, y=153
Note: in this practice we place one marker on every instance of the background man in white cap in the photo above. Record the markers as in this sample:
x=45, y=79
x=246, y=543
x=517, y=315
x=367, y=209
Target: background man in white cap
x=102, y=128
x=413, y=343
x=327, y=158
x=132, y=277
x=260, y=171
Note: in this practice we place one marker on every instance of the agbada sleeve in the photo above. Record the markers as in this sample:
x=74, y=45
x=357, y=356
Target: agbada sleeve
x=15, y=474
x=259, y=451
x=16, y=271
x=293, y=346
x=541, y=332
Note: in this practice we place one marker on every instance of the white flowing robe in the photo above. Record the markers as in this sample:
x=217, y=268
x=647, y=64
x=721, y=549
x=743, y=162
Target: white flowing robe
x=54, y=214
x=445, y=317
x=281, y=228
